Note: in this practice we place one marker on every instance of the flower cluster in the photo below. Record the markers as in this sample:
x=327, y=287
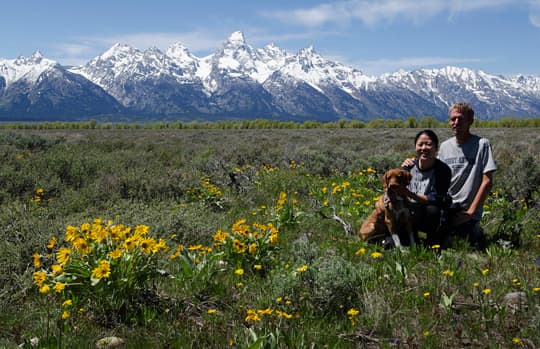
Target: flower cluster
x=207, y=193
x=257, y=315
x=98, y=261
x=352, y=196
x=40, y=197
x=247, y=245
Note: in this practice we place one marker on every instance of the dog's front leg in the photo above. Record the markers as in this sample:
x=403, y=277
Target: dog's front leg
x=397, y=241
x=392, y=225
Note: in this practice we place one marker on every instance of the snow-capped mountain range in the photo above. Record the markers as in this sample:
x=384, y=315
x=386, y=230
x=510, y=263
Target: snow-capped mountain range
x=239, y=81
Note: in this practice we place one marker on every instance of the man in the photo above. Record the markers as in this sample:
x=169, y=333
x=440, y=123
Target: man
x=471, y=160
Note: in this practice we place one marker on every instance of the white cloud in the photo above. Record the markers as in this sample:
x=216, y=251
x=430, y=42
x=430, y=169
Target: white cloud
x=534, y=15
x=371, y=12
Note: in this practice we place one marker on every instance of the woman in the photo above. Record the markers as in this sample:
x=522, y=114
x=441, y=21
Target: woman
x=427, y=192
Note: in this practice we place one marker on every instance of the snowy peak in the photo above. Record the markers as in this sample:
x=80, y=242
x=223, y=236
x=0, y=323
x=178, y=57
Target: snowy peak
x=28, y=69
x=118, y=51
x=183, y=58
x=236, y=39
x=237, y=59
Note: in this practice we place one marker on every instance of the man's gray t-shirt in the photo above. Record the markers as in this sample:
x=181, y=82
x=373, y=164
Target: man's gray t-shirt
x=468, y=162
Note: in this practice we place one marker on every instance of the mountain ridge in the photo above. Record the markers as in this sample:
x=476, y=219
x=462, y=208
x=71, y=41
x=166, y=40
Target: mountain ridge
x=237, y=80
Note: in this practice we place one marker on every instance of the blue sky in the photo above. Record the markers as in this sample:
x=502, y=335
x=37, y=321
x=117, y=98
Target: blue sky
x=375, y=36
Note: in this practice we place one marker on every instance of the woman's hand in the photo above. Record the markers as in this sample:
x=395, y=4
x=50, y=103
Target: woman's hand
x=409, y=162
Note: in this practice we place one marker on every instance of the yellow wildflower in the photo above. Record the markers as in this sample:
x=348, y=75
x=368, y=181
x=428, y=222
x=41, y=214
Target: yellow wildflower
x=37, y=260
x=220, y=236
x=57, y=269
x=63, y=255
x=103, y=270
x=161, y=245
x=448, y=273
x=141, y=230
x=252, y=315
x=65, y=315
x=130, y=243
x=67, y=303
x=195, y=247
x=116, y=253
x=252, y=248
x=283, y=314
x=239, y=246
x=302, y=268
x=239, y=271
x=486, y=291
x=71, y=233
x=353, y=312
x=376, y=255
x=485, y=271
x=39, y=278
x=282, y=199
x=44, y=288
x=85, y=227
x=51, y=243
x=361, y=251
x=267, y=311
x=212, y=311
x=59, y=287
x=82, y=246
x=147, y=245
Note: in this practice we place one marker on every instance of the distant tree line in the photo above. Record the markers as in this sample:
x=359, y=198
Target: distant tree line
x=410, y=122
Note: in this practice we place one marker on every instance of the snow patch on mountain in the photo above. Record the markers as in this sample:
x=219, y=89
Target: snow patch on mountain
x=25, y=68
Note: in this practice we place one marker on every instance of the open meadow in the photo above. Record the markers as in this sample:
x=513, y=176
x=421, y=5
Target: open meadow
x=207, y=238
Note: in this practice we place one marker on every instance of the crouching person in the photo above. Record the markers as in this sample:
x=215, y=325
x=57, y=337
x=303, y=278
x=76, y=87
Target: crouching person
x=427, y=191
x=470, y=159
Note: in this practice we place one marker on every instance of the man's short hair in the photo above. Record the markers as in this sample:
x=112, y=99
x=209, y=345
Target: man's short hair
x=464, y=108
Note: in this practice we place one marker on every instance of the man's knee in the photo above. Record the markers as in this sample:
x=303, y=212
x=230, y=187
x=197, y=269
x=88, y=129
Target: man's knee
x=472, y=232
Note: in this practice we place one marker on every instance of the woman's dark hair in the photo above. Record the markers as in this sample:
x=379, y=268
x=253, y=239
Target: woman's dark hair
x=430, y=134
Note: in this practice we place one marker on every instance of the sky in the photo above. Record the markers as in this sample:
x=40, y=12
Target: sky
x=374, y=36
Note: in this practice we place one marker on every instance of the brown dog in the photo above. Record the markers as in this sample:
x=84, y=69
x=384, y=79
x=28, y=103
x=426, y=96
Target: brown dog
x=391, y=215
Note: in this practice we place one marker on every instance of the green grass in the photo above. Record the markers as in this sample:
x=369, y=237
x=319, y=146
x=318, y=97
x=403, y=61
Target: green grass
x=316, y=287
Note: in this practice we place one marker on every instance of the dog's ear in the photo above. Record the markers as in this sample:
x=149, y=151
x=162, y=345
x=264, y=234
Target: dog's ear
x=384, y=181
x=408, y=177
